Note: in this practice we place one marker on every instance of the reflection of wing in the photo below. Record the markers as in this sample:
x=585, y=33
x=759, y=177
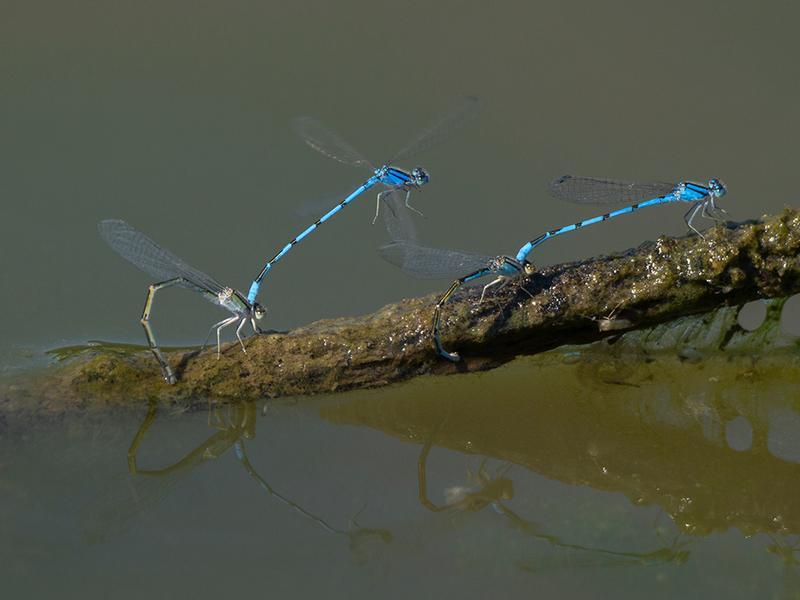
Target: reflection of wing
x=587, y=190
x=326, y=142
x=114, y=512
x=397, y=217
x=138, y=249
x=432, y=263
x=463, y=109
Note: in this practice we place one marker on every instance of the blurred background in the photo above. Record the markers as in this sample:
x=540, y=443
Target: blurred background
x=176, y=117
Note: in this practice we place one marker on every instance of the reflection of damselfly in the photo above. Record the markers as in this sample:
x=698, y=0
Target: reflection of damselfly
x=392, y=178
x=356, y=535
x=141, y=489
x=169, y=270
x=144, y=487
x=483, y=489
x=496, y=489
x=435, y=263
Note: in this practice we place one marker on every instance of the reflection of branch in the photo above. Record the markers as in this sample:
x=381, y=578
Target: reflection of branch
x=785, y=547
x=355, y=536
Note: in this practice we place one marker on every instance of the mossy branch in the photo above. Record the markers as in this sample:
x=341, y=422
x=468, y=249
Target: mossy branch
x=653, y=283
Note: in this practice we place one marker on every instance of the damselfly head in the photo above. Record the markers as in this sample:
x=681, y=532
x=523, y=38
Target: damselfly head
x=259, y=311
x=420, y=176
x=717, y=188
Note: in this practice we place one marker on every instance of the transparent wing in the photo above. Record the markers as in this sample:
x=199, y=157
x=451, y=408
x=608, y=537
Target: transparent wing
x=138, y=249
x=122, y=501
x=327, y=142
x=431, y=263
x=464, y=109
x=397, y=217
x=606, y=191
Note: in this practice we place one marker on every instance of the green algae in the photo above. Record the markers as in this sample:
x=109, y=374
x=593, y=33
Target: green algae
x=69, y=352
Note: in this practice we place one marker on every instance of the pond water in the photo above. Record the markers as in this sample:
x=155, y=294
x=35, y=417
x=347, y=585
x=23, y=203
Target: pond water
x=587, y=477
x=548, y=478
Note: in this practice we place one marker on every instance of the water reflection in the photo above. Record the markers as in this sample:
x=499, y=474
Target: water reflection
x=786, y=548
x=126, y=498
x=576, y=463
x=695, y=440
x=491, y=488
x=358, y=538
x=573, y=556
x=235, y=423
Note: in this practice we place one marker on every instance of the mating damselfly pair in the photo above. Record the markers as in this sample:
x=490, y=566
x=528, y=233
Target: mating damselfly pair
x=438, y=263
x=404, y=251
x=169, y=270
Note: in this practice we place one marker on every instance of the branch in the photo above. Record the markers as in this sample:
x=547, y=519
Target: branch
x=653, y=283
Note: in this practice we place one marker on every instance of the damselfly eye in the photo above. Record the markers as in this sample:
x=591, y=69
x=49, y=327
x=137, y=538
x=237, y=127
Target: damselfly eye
x=717, y=187
x=420, y=175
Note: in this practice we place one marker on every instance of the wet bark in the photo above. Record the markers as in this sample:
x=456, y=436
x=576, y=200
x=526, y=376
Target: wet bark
x=567, y=303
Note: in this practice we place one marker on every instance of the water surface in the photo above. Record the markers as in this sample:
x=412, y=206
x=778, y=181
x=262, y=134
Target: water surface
x=557, y=478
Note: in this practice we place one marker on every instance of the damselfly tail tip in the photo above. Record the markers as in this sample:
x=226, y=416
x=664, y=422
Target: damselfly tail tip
x=451, y=356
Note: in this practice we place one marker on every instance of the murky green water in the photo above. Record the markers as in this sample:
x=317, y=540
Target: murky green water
x=571, y=477
x=564, y=478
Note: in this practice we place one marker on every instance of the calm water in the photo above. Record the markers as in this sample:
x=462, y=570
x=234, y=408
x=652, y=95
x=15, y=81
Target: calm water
x=175, y=116
x=565, y=479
